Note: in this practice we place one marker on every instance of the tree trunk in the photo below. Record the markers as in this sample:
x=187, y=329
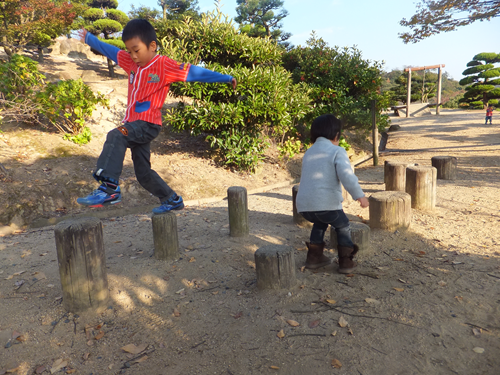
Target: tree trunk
x=421, y=185
x=166, y=241
x=111, y=68
x=275, y=267
x=446, y=167
x=390, y=210
x=238, y=211
x=82, y=264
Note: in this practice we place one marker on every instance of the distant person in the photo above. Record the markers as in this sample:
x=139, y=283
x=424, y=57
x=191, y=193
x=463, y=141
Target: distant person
x=149, y=79
x=489, y=114
x=325, y=168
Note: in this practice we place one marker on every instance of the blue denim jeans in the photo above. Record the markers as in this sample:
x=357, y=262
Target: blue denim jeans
x=337, y=219
x=136, y=135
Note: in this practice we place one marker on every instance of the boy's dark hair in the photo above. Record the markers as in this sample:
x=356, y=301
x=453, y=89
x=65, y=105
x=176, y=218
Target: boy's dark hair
x=141, y=29
x=327, y=126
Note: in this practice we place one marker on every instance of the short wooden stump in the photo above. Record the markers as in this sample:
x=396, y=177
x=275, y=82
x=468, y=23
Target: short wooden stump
x=421, y=185
x=165, y=237
x=390, y=210
x=275, y=267
x=360, y=235
x=446, y=167
x=297, y=217
x=82, y=264
x=395, y=175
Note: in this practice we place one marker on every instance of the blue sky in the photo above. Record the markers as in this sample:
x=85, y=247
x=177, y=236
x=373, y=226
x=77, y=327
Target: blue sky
x=373, y=27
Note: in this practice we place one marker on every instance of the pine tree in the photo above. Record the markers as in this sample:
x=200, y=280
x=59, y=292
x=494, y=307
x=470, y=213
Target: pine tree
x=104, y=19
x=481, y=78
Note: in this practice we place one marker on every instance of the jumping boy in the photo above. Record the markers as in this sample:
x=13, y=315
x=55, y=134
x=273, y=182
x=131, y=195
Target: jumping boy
x=150, y=76
x=489, y=114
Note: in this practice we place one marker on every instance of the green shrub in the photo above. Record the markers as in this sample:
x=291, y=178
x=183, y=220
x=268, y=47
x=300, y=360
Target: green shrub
x=493, y=102
x=453, y=102
x=67, y=104
x=477, y=104
x=82, y=138
x=239, y=125
x=19, y=78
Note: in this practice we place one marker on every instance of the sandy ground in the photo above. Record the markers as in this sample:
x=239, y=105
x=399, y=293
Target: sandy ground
x=423, y=301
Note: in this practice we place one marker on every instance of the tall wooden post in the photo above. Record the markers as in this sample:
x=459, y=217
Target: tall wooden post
x=439, y=90
x=297, y=217
x=238, y=211
x=165, y=238
x=375, y=132
x=82, y=264
x=408, y=94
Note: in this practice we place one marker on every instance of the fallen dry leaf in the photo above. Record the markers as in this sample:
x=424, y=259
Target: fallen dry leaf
x=281, y=334
x=40, y=369
x=58, y=365
x=100, y=335
x=239, y=315
x=12, y=370
x=342, y=322
x=477, y=331
x=442, y=283
x=331, y=301
x=142, y=359
x=302, y=269
x=399, y=289
x=293, y=323
x=336, y=363
x=372, y=300
x=177, y=313
x=274, y=367
x=478, y=350
x=70, y=371
x=314, y=323
x=334, y=333
x=350, y=275
x=131, y=348
x=192, y=260
x=350, y=331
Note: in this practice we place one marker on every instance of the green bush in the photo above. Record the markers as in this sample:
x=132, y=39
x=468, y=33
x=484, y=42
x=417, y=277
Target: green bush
x=241, y=124
x=19, y=78
x=453, y=102
x=82, y=138
x=68, y=103
x=493, y=102
x=341, y=82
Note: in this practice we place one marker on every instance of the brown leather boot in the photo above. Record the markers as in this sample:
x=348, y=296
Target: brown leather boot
x=346, y=255
x=315, y=258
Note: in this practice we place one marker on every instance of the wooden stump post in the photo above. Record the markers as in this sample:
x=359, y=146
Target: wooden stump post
x=360, y=235
x=298, y=218
x=165, y=238
x=275, y=267
x=82, y=264
x=395, y=175
x=238, y=211
x=446, y=167
x=390, y=210
x=421, y=185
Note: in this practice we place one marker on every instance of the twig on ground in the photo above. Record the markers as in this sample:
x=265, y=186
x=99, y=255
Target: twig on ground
x=308, y=334
x=368, y=275
x=207, y=289
x=57, y=321
x=195, y=346
x=424, y=269
x=489, y=274
x=473, y=325
x=366, y=316
x=131, y=362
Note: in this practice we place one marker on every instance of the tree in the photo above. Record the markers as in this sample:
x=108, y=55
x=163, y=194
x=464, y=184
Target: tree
x=145, y=13
x=340, y=80
x=481, y=78
x=37, y=22
x=257, y=18
x=436, y=16
x=423, y=87
x=267, y=105
x=104, y=19
x=178, y=9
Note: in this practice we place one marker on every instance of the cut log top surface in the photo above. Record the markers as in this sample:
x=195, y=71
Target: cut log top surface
x=271, y=250
x=77, y=224
x=388, y=196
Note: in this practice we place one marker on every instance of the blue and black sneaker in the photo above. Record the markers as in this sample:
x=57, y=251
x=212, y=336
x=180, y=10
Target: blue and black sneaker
x=102, y=196
x=173, y=203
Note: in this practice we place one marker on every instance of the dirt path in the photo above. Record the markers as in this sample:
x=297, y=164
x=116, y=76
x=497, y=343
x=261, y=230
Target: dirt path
x=425, y=302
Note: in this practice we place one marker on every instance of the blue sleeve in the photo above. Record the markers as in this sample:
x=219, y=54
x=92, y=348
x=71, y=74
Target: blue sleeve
x=106, y=49
x=198, y=74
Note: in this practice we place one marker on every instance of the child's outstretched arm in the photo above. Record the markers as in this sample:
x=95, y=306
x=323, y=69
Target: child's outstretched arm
x=199, y=74
x=104, y=48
